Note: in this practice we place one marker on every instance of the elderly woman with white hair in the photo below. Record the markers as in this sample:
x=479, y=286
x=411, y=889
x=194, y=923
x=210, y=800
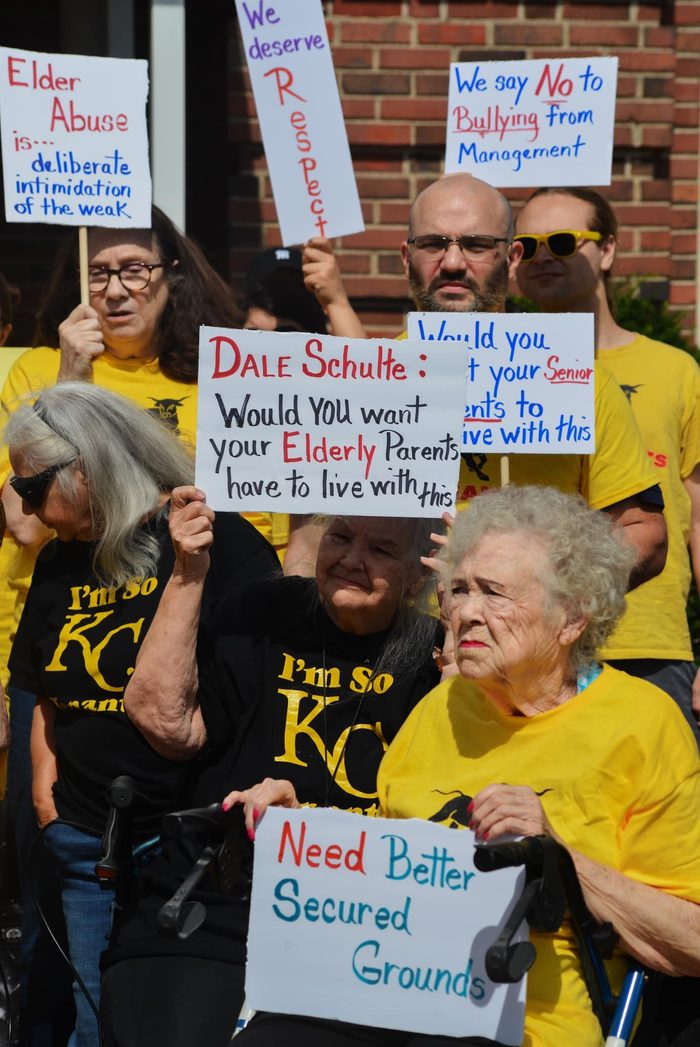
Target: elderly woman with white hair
x=99, y=471
x=540, y=738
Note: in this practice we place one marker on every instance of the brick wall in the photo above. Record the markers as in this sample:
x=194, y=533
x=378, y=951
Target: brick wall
x=392, y=61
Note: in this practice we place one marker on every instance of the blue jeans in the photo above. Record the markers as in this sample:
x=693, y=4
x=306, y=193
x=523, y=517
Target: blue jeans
x=46, y=1006
x=87, y=909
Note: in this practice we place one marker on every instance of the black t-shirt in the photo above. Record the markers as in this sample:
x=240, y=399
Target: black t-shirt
x=77, y=644
x=284, y=694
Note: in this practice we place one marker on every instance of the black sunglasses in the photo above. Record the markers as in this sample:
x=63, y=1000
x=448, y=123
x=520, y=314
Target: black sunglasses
x=32, y=489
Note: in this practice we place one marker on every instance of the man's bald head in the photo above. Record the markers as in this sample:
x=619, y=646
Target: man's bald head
x=468, y=277
x=464, y=192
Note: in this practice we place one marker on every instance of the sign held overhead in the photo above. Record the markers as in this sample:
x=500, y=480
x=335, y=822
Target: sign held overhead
x=74, y=139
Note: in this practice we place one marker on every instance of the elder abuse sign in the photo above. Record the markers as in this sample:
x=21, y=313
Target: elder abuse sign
x=74, y=139
x=378, y=921
x=301, y=423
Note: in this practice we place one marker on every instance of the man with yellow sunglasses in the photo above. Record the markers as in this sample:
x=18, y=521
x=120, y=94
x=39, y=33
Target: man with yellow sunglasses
x=568, y=238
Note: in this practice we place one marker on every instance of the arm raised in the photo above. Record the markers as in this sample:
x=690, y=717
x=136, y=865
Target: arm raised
x=322, y=278
x=162, y=698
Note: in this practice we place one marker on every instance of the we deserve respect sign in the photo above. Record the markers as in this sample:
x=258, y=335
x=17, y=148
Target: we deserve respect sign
x=301, y=119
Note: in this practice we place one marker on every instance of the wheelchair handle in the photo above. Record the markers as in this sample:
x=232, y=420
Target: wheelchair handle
x=529, y=851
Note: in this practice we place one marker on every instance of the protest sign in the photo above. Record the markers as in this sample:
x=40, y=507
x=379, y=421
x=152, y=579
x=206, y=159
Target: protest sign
x=533, y=123
x=74, y=139
x=305, y=423
x=530, y=387
x=301, y=120
x=379, y=922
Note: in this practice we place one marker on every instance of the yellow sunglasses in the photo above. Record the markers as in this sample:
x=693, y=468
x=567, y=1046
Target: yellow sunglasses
x=560, y=244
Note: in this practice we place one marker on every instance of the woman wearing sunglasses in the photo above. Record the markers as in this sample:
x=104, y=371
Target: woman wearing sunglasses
x=149, y=290
x=98, y=470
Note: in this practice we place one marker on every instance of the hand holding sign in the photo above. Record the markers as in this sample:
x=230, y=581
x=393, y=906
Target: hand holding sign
x=321, y=275
x=191, y=531
x=80, y=340
x=322, y=278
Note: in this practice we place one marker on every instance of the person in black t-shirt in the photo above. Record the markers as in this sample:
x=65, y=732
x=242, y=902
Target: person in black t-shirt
x=298, y=680
x=99, y=470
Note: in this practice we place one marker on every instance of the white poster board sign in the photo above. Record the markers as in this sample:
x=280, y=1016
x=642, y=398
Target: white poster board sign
x=302, y=423
x=530, y=379
x=539, y=122
x=74, y=139
x=378, y=921
x=301, y=120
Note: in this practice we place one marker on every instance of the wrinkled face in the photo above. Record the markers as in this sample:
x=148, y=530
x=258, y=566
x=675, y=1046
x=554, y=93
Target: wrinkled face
x=130, y=319
x=504, y=631
x=363, y=571
x=454, y=282
x=560, y=284
x=71, y=519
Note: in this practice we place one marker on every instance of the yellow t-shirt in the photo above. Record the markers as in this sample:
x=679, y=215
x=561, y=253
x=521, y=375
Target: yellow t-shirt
x=8, y=355
x=662, y=384
x=144, y=383
x=618, y=774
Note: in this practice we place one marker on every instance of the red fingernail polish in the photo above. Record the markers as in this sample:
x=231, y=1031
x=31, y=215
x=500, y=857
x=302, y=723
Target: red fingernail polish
x=256, y=814
x=225, y=805
x=470, y=808
x=251, y=833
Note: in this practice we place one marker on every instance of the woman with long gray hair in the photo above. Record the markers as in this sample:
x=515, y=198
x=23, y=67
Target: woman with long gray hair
x=99, y=471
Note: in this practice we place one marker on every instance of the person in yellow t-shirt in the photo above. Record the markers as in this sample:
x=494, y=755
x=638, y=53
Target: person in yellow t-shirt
x=533, y=736
x=565, y=270
x=458, y=257
x=150, y=289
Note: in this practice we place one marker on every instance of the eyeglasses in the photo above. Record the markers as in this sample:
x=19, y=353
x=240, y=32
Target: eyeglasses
x=134, y=276
x=33, y=488
x=471, y=246
x=560, y=244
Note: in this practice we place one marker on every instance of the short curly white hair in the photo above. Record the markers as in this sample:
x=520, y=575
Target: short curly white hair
x=590, y=561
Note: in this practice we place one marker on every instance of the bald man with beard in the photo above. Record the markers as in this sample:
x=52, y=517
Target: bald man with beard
x=473, y=280
x=459, y=256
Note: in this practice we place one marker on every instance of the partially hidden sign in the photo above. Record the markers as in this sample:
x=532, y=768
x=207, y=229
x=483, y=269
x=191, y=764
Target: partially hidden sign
x=533, y=123
x=305, y=423
x=380, y=922
x=74, y=139
x=530, y=379
x=301, y=120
